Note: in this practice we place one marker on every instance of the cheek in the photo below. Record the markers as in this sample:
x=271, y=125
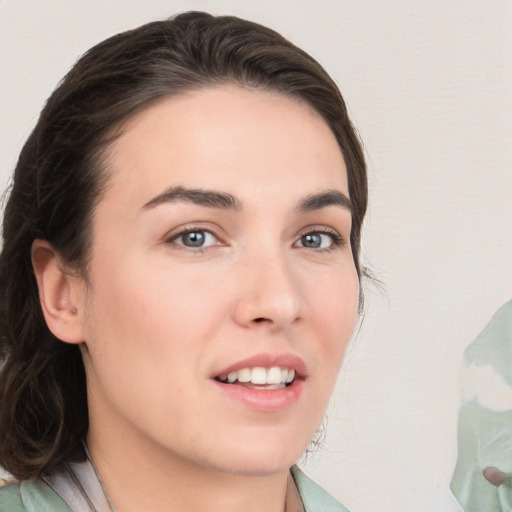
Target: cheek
x=141, y=342
x=334, y=305
x=150, y=312
x=334, y=299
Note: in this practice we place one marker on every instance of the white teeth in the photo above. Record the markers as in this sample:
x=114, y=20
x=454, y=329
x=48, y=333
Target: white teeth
x=261, y=376
x=290, y=376
x=274, y=375
x=244, y=375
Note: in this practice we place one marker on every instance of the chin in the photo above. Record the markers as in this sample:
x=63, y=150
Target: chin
x=262, y=458
x=257, y=468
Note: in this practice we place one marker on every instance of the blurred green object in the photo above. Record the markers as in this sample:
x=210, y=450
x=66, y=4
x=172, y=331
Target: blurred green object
x=482, y=480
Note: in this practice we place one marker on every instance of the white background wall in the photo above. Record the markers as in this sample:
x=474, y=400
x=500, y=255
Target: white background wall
x=429, y=86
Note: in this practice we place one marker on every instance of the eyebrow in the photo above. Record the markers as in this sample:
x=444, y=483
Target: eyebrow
x=225, y=201
x=324, y=199
x=200, y=197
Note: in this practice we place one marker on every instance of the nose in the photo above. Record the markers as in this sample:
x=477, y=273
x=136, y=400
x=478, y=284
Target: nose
x=269, y=294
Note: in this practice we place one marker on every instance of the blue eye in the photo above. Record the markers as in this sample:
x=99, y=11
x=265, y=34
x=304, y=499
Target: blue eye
x=318, y=240
x=196, y=238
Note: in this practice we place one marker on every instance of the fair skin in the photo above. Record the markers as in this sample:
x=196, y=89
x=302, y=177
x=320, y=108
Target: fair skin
x=210, y=255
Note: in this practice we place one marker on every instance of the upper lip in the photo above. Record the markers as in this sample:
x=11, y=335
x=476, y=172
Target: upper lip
x=268, y=360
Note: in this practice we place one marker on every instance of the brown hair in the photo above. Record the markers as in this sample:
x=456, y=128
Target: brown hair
x=59, y=178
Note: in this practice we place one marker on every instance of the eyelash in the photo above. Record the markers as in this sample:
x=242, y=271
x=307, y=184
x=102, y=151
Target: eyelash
x=336, y=239
x=193, y=229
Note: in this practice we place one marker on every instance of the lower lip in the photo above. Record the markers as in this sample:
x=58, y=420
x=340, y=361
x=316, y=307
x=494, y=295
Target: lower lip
x=264, y=400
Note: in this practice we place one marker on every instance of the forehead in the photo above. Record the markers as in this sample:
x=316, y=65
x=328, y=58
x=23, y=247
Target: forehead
x=226, y=137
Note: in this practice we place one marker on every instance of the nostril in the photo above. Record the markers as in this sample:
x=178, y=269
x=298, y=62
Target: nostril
x=261, y=319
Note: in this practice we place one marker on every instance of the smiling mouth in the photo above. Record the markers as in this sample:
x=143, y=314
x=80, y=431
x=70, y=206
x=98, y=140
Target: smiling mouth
x=260, y=378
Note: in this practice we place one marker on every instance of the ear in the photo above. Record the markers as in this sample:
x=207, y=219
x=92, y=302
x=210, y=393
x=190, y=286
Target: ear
x=59, y=293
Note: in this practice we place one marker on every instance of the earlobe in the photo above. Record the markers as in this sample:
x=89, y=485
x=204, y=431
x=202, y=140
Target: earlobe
x=57, y=290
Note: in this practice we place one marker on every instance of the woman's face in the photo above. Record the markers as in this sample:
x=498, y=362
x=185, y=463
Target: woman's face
x=221, y=265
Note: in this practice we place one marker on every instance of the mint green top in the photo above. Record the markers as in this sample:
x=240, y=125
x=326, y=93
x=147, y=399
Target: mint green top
x=37, y=496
